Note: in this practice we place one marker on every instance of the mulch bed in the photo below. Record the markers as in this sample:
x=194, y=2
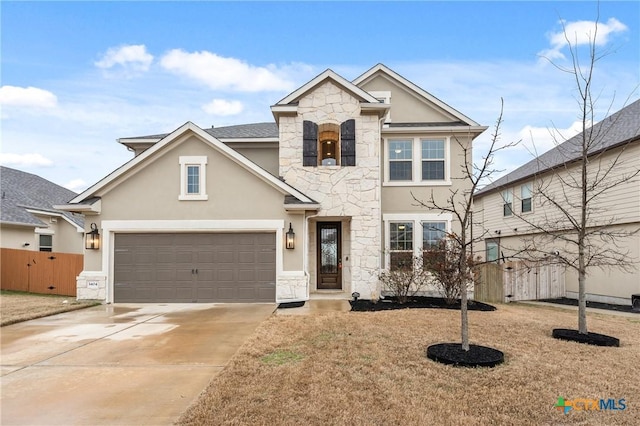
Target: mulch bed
x=476, y=356
x=363, y=305
x=589, y=338
x=597, y=305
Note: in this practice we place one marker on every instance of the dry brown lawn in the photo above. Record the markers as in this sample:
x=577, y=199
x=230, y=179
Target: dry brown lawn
x=370, y=369
x=17, y=307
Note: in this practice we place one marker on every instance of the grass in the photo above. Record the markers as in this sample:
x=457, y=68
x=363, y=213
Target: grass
x=19, y=306
x=370, y=368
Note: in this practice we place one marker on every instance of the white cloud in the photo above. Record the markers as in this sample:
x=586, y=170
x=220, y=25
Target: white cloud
x=130, y=59
x=76, y=185
x=218, y=72
x=581, y=33
x=223, y=107
x=537, y=140
x=24, y=160
x=27, y=97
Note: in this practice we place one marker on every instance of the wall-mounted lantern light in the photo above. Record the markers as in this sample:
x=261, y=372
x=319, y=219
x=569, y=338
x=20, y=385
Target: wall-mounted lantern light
x=290, y=242
x=92, y=238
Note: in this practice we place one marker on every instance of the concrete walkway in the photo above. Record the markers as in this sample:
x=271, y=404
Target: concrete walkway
x=124, y=364
x=575, y=308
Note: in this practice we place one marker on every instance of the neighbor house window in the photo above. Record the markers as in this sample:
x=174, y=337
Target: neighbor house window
x=493, y=250
x=525, y=197
x=193, y=178
x=400, y=160
x=432, y=159
x=401, y=245
x=507, y=206
x=46, y=242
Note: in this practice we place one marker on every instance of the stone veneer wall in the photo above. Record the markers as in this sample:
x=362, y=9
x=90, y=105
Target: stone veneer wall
x=342, y=191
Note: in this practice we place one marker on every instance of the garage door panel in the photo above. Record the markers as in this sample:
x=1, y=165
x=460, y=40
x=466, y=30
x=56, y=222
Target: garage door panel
x=231, y=267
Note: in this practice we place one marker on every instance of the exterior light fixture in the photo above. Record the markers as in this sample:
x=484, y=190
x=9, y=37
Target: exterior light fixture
x=355, y=296
x=92, y=238
x=290, y=241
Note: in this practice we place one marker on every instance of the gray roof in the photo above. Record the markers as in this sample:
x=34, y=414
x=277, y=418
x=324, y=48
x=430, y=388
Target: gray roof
x=617, y=129
x=22, y=191
x=239, y=131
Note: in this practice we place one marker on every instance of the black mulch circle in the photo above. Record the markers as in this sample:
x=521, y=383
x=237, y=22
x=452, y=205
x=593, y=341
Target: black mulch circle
x=476, y=356
x=363, y=305
x=287, y=305
x=589, y=338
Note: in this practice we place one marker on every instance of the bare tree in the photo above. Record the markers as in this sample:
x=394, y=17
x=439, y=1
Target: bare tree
x=571, y=225
x=459, y=203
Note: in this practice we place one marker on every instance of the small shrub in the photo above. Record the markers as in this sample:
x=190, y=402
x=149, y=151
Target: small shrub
x=451, y=271
x=405, y=279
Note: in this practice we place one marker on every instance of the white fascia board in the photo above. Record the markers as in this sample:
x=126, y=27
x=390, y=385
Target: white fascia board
x=301, y=207
x=378, y=107
x=46, y=213
x=431, y=129
x=328, y=74
x=417, y=89
x=126, y=141
x=81, y=208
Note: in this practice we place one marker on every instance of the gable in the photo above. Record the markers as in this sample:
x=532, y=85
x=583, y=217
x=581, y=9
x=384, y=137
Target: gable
x=406, y=105
x=171, y=141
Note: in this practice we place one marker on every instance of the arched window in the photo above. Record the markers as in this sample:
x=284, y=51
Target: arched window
x=328, y=144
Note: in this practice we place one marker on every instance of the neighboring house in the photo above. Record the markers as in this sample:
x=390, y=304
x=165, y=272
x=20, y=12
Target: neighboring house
x=318, y=202
x=29, y=220
x=502, y=205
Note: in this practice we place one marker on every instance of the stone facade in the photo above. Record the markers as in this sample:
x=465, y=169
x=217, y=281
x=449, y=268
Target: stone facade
x=347, y=194
x=91, y=286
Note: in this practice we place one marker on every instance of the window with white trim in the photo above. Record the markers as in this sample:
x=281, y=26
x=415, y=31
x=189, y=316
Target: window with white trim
x=193, y=178
x=429, y=166
x=45, y=242
x=400, y=160
x=400, y=245
x=507, y=203
x=433, y=159
x=525, y=198
x=432, y=233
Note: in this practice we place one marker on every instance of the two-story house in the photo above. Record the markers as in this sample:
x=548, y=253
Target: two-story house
x=317, y=202
x=511, y=211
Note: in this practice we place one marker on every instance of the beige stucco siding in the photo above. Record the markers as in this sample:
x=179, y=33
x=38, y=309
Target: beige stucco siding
x=14, y=237
x=66, y=238
x=267, y=158
x=406, y=106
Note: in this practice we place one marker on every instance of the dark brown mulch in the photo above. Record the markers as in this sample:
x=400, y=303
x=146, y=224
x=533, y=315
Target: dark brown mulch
x=589, y=338
x=363, y=305
x=598, y=305
x=476, y=356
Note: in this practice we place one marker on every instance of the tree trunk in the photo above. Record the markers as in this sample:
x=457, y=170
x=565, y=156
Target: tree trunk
x=582, y=299
x=464, y=319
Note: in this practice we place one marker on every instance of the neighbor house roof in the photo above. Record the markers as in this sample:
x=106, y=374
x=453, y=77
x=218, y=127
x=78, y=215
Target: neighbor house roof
x=618, y=129
x=24, y=193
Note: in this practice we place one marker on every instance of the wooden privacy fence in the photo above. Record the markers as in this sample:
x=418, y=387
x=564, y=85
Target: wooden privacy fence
x=39, y=271
x=512, y=281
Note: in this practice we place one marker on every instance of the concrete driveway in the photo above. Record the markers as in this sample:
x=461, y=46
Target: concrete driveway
x=123, y=364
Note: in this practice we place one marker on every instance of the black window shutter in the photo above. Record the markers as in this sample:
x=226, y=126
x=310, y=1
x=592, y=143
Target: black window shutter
x=348, y=143
x=309, y=143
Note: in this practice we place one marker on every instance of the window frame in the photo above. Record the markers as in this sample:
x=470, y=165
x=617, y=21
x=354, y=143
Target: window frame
x=529, y=186
x=45, y=248
x=417, y=219
x=416, y=161
x=433, y=160
x=408, y=252
x=444, y=233
x=186, y=162
x=495, y=242
x=507, y=202
x=410, y=144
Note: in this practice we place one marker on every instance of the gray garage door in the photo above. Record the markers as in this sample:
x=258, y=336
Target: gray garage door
x=195, y=267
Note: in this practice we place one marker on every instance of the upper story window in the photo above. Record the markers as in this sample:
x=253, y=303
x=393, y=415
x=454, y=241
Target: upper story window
x=400, y=160
x=193, y=182
x=507, y=206
x=45, y=242
x=433, y=159
x=416, y=161
x=329, y=144
x=525, y=198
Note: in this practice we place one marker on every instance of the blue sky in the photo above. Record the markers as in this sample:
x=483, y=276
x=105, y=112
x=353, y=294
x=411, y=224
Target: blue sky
x=78, y=75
